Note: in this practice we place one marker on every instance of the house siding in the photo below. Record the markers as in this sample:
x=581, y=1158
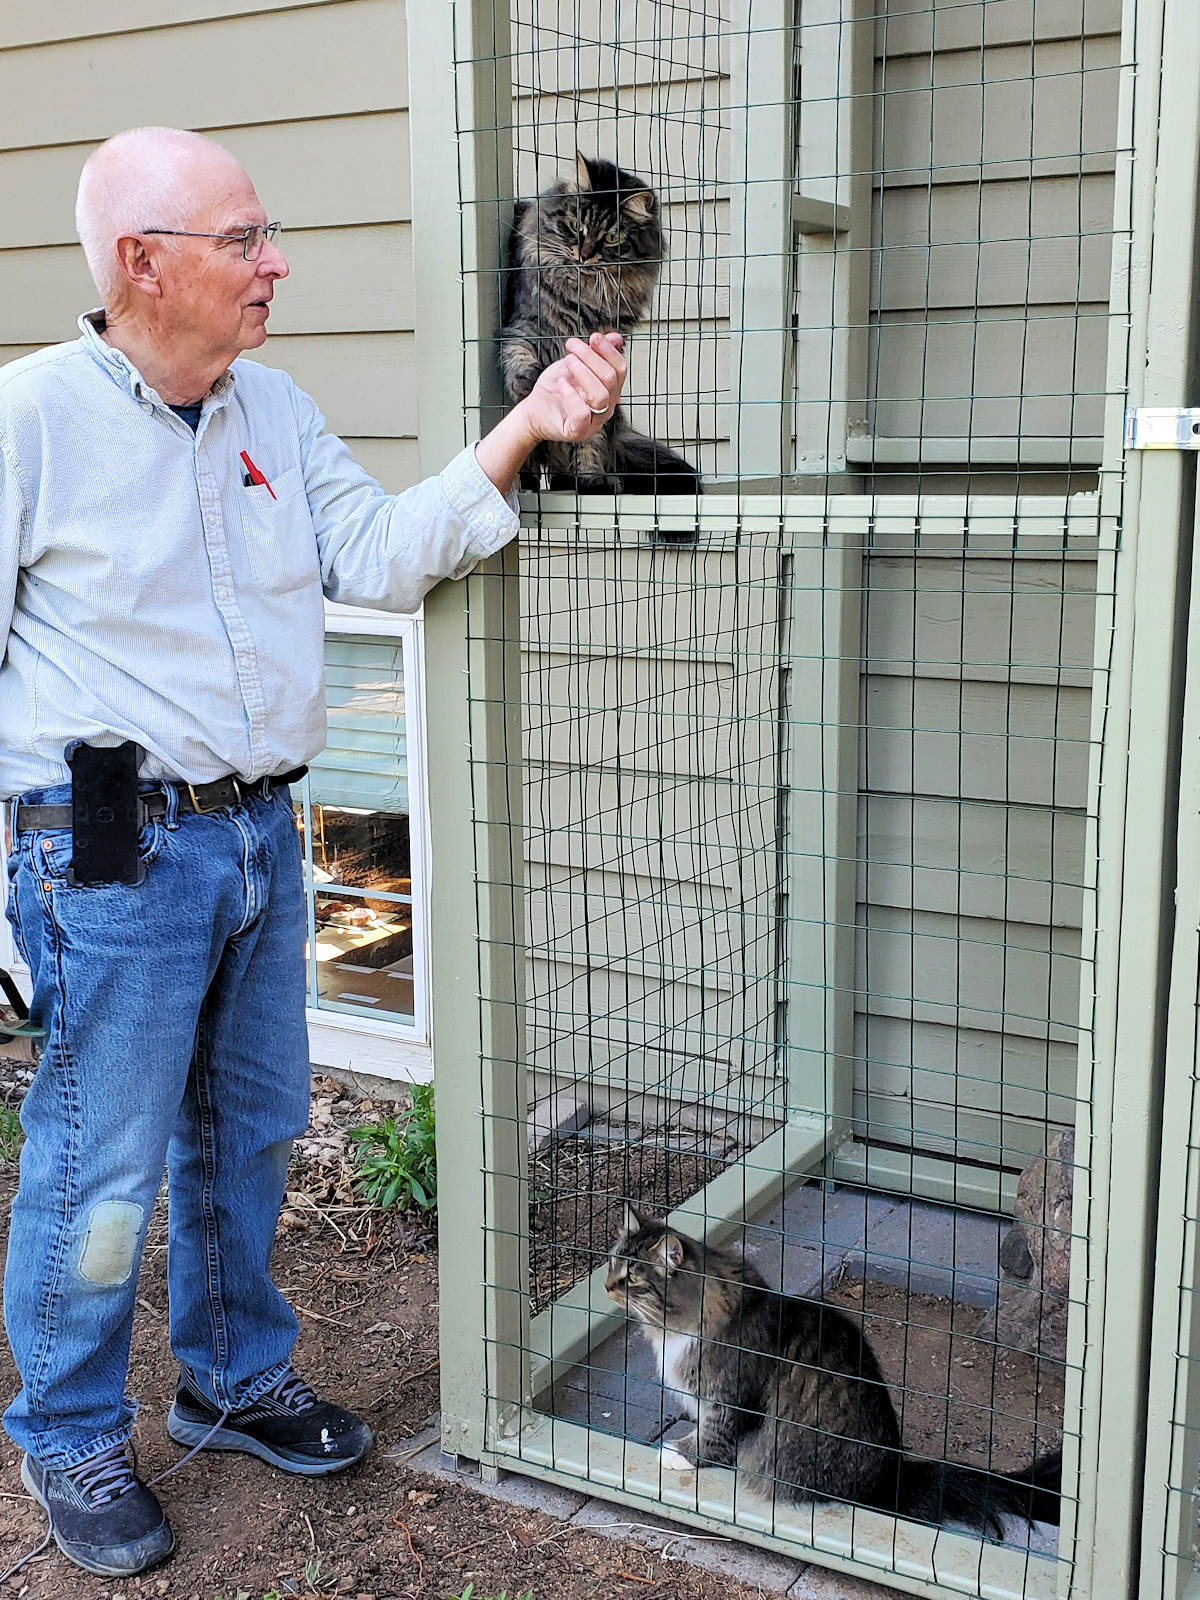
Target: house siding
x=311, y=99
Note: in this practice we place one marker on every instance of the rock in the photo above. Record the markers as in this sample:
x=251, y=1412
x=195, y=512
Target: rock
x=1035, y=1258
x=556, y=1117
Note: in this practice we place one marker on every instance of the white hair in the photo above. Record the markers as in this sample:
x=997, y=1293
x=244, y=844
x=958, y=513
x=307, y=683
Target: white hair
x=135, y=181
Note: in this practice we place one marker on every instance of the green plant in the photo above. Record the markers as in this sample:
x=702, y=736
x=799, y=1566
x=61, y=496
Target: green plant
x=318, y=1580
x=11, y=1136
x=397, y=1158
x=470, y=1589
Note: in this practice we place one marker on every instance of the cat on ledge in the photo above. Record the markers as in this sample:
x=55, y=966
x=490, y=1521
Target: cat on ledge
x=584, y=258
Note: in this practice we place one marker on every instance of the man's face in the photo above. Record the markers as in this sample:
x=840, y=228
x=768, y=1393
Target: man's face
x=211, y=293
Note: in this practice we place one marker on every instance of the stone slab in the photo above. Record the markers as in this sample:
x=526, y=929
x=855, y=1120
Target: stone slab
x=531, y=1494
x=934, y=1250
x=641, y=1412
x=819, y=1583
x=556, y=1117
x=729, y=1558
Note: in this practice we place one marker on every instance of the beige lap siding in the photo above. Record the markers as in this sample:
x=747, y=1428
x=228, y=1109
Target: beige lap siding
x=311, y=98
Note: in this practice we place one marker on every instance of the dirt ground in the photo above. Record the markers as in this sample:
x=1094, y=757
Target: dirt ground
x=366, y=1291
x=959, y=1399
x=365, y=1288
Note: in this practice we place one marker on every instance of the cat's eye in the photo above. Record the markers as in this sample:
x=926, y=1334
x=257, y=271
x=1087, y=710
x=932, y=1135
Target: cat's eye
x=612, y=238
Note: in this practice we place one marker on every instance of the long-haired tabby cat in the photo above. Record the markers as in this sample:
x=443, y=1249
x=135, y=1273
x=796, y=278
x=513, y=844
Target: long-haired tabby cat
x=584, y=258
x=790, y=1392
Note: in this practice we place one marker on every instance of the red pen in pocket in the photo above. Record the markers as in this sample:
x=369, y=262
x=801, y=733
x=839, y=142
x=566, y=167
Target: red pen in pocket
x=255, y=475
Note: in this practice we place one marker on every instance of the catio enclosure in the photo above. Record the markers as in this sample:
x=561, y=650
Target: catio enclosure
x=808, y=850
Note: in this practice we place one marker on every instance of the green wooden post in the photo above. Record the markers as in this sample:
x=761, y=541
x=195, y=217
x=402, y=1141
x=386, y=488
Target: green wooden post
x=823, y=651
x=472, y=642
x=831, y=217
x=1173, y=351
x=1116, y=1202
x=761, y=167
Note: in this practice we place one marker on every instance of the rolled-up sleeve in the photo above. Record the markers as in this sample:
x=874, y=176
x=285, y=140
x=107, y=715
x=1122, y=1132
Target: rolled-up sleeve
x=385, y=550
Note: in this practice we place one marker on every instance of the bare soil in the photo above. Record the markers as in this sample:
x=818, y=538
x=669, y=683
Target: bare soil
x=576, y=1209
x=959, y=1398
x=365, y=1287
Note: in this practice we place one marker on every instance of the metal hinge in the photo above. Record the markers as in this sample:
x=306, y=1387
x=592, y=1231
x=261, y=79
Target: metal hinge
x=1163, y=428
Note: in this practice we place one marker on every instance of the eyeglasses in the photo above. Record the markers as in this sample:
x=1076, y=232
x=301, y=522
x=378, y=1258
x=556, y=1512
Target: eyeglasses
x=251, y=241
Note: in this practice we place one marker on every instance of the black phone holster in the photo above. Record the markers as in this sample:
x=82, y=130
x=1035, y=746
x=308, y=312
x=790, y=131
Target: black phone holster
x=106, y=814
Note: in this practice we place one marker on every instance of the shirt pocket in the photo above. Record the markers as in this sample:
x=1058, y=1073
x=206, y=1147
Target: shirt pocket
x=281, y=544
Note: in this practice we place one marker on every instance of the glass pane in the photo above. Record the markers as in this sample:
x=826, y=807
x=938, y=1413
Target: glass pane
x=354, y=818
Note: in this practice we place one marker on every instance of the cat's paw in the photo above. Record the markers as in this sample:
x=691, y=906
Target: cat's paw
x=674, y=1460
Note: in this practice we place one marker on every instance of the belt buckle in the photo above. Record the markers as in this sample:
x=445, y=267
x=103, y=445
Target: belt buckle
x=224, y=792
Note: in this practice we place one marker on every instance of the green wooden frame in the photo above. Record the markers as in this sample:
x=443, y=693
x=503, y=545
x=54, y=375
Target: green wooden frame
x=1170, y=516
x=493, y=1358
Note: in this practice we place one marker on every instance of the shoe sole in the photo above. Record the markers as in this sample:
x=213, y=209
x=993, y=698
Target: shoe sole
x=71, y=1554
x=202, y=1433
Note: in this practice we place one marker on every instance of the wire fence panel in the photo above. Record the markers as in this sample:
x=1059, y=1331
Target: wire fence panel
x=814, y=647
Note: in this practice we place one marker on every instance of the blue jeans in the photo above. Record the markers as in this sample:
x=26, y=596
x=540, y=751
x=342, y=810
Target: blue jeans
x=176, y=1035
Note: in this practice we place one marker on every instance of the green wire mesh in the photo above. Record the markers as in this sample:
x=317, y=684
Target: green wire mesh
x=809, y=761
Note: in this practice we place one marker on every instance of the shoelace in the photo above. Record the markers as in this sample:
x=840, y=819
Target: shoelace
x=290, y=1390
x=104, y=1478
x=101, y=1479
x=109, y=1475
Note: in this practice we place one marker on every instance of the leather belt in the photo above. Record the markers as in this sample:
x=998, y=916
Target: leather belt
x=197, y=798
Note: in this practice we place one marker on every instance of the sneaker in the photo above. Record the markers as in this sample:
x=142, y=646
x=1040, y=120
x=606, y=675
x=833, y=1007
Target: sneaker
x=103, y=1518
x=288, y=1426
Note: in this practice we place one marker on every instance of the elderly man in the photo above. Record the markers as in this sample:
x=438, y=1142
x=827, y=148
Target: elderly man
x=170, y=518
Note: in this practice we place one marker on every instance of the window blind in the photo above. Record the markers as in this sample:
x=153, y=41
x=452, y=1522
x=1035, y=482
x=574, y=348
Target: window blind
x=365, y=763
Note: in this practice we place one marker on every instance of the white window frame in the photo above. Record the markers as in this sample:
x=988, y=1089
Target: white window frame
x=400, y=1051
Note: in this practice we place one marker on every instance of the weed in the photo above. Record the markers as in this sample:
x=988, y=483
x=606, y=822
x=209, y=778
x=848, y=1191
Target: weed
x=11, y=1136
x=397, y=1159
x=470, y=1589
x=318, y=1581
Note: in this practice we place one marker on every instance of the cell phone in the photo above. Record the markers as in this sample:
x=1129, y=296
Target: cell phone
x=105, y=815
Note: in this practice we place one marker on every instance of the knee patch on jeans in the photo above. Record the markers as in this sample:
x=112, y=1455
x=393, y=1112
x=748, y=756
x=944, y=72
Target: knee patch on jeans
x=110, y=1244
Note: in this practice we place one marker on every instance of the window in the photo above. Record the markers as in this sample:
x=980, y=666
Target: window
x=360, y=821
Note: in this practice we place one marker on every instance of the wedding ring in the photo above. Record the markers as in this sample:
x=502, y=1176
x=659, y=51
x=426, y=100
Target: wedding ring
x=597, y=411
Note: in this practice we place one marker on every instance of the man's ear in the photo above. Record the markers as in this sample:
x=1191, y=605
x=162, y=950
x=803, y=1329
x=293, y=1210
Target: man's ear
x=137, y=265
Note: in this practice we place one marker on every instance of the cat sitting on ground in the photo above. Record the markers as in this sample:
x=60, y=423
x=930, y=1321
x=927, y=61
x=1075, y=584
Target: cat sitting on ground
x=790, y=1392
x=584, y=258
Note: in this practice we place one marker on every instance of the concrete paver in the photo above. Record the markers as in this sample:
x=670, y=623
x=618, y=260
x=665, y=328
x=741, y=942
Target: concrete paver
x=819, y=1583
x=556, y=1117
x=728, y=1557
x=932, y=1249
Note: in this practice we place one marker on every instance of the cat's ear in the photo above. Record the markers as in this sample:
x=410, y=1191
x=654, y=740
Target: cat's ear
x=670, y=1251
x=632, y=1220
x=641, y=205
x=583, y=173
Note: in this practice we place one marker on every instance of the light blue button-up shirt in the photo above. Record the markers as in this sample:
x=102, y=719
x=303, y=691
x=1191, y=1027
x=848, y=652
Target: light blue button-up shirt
x=146, y=593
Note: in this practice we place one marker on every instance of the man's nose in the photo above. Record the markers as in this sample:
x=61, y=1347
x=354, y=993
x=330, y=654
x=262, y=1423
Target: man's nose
x=272, y=263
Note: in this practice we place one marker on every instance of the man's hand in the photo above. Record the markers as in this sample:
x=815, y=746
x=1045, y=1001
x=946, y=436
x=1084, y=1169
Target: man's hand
x=575, y=397
x=572, y=400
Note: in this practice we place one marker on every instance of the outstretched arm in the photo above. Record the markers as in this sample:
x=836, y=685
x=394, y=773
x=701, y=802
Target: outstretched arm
x=571, y=401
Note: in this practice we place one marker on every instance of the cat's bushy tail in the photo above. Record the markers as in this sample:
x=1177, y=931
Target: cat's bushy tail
x=944, y=1492
x=647, y=467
